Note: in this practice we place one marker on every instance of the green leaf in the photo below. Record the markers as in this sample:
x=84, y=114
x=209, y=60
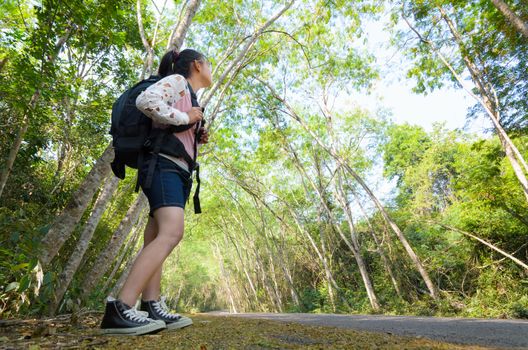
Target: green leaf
x=11, y=286
x=19, y=267
x=24, y=283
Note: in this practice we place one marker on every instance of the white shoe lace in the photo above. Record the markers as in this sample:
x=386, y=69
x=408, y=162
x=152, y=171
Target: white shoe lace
x=162, y=308
x=136, y=315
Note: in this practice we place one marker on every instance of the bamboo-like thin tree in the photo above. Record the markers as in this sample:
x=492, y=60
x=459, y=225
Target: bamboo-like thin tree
x=126, y=252
x=109, y=253
x=516, y=21
x=410, y=252
x=65, y=223
x=353, y=243
x=124, y=274
x=81, y=246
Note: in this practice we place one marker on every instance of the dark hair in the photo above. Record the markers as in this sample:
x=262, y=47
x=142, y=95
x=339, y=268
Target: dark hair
x=174, y=62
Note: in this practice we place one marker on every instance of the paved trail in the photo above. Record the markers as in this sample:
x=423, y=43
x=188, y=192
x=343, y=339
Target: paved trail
x=486, y=332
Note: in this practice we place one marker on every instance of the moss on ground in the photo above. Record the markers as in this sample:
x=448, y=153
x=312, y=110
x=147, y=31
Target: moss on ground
x=207, y=333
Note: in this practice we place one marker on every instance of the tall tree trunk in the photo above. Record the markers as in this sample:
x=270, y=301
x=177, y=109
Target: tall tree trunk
x=148, y=64
x=262, y=273
x=273, y=275
x=244, y=269
x=284, y=267
x=415, y=259
x=515, y=20
x=127, y=251
x=325, y=255
x=381, y=251
x=271, y=262
x=149, y=59
x=512, y=153
x=180, y=31
x=352, y=244
x=65, y=147
x=72, y=265
x=327, y=270
x=359, y=258
x=108, y=254
x=286, y=271
x=300, y=228
x=225, y=279
x=242, y=294
x=122, y=278
x=65, y=223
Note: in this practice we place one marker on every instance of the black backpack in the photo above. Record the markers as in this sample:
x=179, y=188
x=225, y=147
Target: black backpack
x=133, y=135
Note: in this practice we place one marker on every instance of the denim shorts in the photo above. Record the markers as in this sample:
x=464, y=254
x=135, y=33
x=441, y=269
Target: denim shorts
x=170, y=187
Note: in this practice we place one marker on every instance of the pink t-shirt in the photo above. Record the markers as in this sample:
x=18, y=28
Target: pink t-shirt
x=186, y=137
x=167, y=102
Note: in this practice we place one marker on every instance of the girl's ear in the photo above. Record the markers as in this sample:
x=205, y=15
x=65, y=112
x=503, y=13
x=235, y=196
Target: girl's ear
x=196, y=64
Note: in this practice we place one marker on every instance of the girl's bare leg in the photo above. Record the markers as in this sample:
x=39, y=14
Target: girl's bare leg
x=152, y=256
x=152, y=290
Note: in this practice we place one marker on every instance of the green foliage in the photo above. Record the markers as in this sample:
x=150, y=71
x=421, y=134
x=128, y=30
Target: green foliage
x=272, y=217
x=483, y=37
x=23, y=280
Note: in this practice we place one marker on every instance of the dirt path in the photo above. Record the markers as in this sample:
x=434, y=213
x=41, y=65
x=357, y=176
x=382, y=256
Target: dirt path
x=485, y=332
x=211, y=332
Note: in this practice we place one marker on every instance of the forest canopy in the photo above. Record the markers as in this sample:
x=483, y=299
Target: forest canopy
x=295, y=215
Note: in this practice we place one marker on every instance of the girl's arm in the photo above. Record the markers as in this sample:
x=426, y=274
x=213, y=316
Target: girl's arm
x=156, y=101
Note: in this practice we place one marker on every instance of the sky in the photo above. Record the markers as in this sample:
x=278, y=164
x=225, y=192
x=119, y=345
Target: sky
x=393, y=91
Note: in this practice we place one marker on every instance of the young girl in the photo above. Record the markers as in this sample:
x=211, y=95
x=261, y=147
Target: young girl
x=166, y=180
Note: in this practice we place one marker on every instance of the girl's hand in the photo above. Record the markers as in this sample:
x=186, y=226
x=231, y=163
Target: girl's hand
x=195, y=115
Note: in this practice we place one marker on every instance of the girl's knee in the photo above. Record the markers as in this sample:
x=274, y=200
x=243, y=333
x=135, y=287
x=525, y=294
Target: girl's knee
x=170, y=240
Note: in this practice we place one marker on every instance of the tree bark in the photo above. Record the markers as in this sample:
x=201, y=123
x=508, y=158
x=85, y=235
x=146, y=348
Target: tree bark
x=287, y=272
x=244, y=269
x=179, y=33
x=272, y=274
x=65, y=223
x=515, y=20
x=119, y=284
x=353, y=244
x=148, y=64
x=284, y=267
x=72, y=265
x=127, y=250
x=149, y=59
x=381, y=251
x=108, y=254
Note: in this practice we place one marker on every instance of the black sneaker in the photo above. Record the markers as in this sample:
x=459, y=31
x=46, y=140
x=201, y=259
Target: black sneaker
x=120, y=318
x=158, y=310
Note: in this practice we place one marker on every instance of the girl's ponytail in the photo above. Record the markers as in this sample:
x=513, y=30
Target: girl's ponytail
x=174, y=62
